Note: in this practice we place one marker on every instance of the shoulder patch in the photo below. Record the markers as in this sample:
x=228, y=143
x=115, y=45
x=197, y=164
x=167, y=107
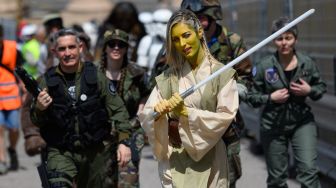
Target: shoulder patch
x=271, y=75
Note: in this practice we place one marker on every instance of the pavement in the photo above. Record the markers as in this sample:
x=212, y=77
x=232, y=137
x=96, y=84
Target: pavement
x=254, y=170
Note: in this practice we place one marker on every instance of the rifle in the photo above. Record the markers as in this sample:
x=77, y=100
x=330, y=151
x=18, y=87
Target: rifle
x=30, y=83
x=32, y=87
x=42, y=169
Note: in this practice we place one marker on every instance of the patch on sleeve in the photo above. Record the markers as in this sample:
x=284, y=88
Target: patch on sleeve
x=271, y=75
x=254, y=71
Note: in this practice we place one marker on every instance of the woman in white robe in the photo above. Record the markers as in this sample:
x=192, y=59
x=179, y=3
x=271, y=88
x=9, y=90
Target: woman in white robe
x=186, y=137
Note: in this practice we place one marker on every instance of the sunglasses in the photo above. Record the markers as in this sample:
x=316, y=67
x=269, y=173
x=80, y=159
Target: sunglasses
x=113, y=44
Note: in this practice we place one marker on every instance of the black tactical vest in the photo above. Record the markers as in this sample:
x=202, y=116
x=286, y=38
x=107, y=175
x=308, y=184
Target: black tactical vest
x=88, y=111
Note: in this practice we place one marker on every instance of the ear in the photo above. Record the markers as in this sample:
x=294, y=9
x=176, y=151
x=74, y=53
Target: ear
x=200, y=33
x=53, y=50
x=80, y=45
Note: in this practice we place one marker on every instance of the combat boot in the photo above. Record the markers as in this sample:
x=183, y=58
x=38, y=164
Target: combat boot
x=14, y=162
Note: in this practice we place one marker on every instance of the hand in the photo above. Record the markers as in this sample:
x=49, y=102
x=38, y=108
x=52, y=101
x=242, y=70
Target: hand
x=34, y=144
x=43, y=100
x=177, y=104
x=162, y=107
x=123, y=155
x=300, y=89
x=242, y=91
x=280, y=96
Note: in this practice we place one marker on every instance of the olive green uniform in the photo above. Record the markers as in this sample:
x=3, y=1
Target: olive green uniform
x=133, y=90
x=226, y=46
x=89, y=165
x=290, y=122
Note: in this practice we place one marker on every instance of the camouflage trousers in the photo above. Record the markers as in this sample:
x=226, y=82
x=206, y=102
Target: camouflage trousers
x=129, y=175
x=88, y=168
x=235, y=169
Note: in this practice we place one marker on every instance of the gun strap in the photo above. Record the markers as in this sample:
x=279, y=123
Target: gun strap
x=9, y=70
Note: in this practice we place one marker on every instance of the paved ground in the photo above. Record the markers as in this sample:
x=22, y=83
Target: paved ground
x=254, y=174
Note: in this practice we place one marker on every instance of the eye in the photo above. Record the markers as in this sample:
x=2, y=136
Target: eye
x=186, y=35
x=279, y=39
x=61, y=49
x=71, y=47
x=175, y=39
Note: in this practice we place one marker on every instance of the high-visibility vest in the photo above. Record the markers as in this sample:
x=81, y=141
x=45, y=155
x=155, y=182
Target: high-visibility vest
x=9, y=90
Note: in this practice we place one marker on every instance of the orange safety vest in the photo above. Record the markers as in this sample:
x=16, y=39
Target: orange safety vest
x=9, y=90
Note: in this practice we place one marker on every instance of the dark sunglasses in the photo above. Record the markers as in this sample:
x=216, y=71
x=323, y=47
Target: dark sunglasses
x=113, y=44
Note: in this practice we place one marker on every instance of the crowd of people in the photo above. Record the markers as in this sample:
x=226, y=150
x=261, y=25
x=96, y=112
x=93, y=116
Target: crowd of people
x=107, y=90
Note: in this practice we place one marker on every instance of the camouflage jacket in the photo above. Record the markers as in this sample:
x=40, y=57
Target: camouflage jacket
x=226, y=46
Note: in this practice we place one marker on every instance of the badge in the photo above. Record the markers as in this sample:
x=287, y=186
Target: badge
x=112, y=88
x=271, y=75
x=83, y=97
x=254, y=71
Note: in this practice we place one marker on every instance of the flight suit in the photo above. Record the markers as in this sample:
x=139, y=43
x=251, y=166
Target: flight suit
x=290, y=122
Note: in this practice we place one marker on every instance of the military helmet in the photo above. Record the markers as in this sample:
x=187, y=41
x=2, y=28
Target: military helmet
x=209, y=7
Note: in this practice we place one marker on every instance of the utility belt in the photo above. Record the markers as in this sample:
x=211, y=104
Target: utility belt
x=174, y=135
x=76, y=142
x=232, y=134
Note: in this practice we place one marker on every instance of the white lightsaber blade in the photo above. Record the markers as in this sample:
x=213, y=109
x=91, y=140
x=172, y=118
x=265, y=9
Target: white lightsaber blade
x=244, y=55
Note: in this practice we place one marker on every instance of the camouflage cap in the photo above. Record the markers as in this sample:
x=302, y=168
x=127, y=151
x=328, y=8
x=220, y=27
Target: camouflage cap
x=208, y=7
x=115, y=34
x=51, y=18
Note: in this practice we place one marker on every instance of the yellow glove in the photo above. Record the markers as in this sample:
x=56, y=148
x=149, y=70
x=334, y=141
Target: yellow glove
x=177, y=105
x=162, y=107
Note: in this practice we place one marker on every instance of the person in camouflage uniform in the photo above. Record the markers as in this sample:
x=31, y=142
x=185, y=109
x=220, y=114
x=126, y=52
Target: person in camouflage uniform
x=225, y=46
x=128, y=81
x=76, y=113
x=282, y=82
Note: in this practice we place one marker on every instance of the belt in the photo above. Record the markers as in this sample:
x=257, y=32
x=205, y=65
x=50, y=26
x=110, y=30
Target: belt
x=174, y=135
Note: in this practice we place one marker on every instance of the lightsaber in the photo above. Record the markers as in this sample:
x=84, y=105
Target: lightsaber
x=192, y=89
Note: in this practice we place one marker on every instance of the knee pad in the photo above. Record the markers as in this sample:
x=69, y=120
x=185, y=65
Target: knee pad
x=59, y=180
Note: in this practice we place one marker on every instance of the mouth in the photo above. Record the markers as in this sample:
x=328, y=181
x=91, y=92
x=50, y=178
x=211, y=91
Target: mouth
x=187, y=50
x=68, y=59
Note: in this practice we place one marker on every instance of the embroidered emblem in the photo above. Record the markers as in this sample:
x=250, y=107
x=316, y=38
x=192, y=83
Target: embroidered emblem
x=271, y=75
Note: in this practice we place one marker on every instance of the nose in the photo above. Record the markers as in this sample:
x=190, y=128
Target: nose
x=182, y=42
x=67, y=51
x=283, y=41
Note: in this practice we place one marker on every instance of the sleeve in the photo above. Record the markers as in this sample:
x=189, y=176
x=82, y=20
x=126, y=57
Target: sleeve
x=244, y=67
x=156, y=130
x=202, y=129
x=257, y=95
x=28, y=128
x=318, y=86
x=118, y=115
